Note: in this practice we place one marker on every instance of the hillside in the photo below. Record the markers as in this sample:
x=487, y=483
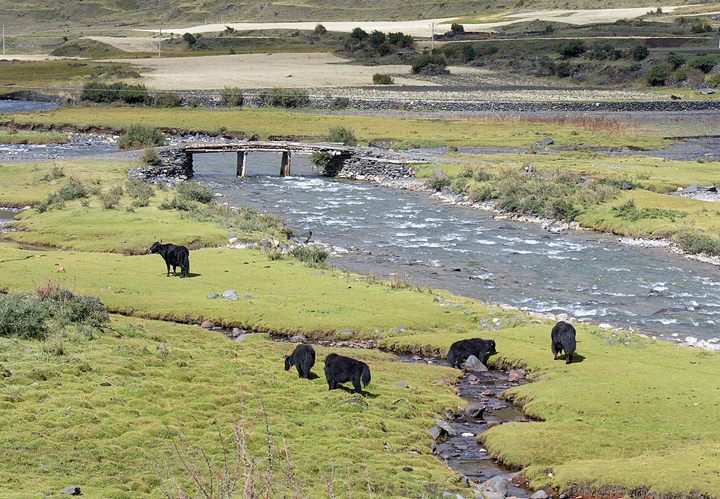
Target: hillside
x=32, y=15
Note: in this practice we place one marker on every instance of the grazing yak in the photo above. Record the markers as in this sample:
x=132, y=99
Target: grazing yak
x=303, y=357
x=175, y=256
x=461, y=350
x=339, y=369
x=563, y=340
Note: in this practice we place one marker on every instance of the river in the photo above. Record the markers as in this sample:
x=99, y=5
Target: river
x=398, y=234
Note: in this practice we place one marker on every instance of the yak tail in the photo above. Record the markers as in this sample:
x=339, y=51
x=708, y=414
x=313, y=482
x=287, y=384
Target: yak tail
x=365, y=375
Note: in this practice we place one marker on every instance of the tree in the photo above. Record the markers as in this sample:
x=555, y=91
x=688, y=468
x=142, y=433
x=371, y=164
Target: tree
x=457, y=28
x=639, y=52
x=320, y=30
x=675, y=60
x=190, y=39
x=469, y=52
x=658, y=74
x=377, y=38
x=703, y=62
x=570, y=48
x=358, y=34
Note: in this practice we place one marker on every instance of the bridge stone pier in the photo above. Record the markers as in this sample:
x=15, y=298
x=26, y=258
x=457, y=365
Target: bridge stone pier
x=286, y=150
x=358, y=163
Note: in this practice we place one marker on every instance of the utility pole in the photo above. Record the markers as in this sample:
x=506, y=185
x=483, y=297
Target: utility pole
x=432, y=36
x=3, y=39
x=160, y=40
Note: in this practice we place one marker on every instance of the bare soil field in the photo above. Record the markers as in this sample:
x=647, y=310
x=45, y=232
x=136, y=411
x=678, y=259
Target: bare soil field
x=422, y=28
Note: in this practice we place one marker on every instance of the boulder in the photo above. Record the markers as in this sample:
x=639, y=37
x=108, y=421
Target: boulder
x=546, y=142
x=298, y=338
x=402, y=384
x=539, y=494
x=497, y=484
x=446, y=427
x=212, y=296
x=516, y=375
x=435, y=432
x=207, y=325
x=73, y=490
x=473, y=364
x=691, y=189
x=472, y=411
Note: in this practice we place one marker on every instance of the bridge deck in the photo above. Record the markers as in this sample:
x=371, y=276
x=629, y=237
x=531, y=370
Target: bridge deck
x=273, y=146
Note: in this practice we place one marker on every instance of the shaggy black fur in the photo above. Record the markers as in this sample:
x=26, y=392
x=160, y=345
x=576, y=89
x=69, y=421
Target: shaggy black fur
x=303, y=357
x=339, y=369
x=563, y=339
x=461, y=350
x=177, y=256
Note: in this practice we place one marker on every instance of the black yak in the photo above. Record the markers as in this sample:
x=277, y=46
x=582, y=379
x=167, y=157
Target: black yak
x=461, y=350
x=303, y=357
x=339, y=369
x=563, y=340
x=177, y=256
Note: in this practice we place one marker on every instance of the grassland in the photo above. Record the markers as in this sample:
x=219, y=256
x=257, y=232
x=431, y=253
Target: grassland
x=103, y=408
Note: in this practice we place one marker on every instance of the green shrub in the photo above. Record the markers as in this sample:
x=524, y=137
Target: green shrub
x=675, y=60
x=713, y=81
x=312, y=256
x=283, y=97
x=166, y=100
x=570, y=48
x=639, y=51
x=658, y=74
x=74, y=189
x=695, y=243
x=701, y=26
x=139, y=136
x=342, y=135
x=150, y=157
x=469, y=52
x=193, y=191
x=457, y=28
x=400, y=40
x=704, y=62
x=104, y=93
x=438, y=183
x=432, y=62
x=110, y=200
x=340, y=103
x=563, y=70
x=34, y=316
x=383, y=79
x=628, y=211
x=320, y=159
x=190, y=39
x=139, y=191
x=232, y=97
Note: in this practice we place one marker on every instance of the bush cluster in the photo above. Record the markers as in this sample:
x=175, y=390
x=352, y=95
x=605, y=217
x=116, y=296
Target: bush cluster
x=284, y=97
x=429, y=63
x=341, y=134
x=105, y=93
x=139, y=136
x=231, y=97
x=383, y=79
x=51, y=307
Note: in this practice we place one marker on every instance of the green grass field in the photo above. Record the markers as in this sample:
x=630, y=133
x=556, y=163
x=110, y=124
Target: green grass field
x=106, y=409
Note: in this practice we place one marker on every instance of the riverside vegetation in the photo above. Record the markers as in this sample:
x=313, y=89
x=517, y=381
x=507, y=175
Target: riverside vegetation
x=107, y=404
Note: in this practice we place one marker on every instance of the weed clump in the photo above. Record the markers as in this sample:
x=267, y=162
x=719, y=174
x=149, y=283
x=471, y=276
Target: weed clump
x=50, y=307
x=312, y=256
x=342, y=135
x=139, y=136
x=193, y=191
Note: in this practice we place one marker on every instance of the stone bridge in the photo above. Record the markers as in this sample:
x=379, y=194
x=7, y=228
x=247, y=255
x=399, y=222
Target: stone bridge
x=343, y=161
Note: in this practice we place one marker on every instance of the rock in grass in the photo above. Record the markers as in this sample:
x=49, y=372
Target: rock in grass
x=212, y=296
x=298, y=338
x=539, y=494
x=73, y=490
x=435, y=432
x=207, y=325
x=446, y=427
x=402, y=384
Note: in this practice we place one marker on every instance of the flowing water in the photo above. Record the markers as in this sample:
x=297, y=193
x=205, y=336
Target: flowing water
x=412, y=236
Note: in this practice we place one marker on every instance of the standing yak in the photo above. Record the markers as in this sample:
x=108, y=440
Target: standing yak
x=461, y=350
x=177, y=256
x=563, y=339
x=339, y=369
x=303, y=357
